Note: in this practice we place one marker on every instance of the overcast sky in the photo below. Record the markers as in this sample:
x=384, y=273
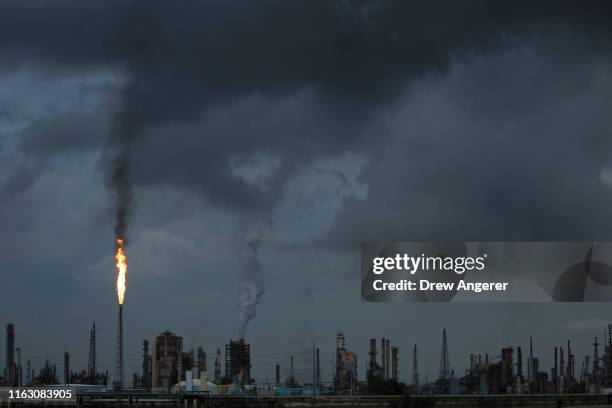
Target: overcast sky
x=321, y=124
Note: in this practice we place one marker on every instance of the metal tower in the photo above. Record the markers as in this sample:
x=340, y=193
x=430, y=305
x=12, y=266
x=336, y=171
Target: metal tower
x=596, y=366
x=318, y=368
x=444, y=365
x=91, y=363
x=29, y=378
x=394, y=363
x=570, y=368
x=562, y=364
x=388, y=356
x=314, y=368
x=519, y=364
x=383, y=358
x=372, y=369
x=18, y=367
x=586, y=371
x=530, y=371
x=118, y=380
x=415, y=368
x=66, y=366
x=218, y=367
x=11, y=370
x=608, y=358
x=555, y=373
x=146, y=365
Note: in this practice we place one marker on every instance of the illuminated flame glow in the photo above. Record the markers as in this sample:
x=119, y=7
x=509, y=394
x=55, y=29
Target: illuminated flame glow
x=121, y=270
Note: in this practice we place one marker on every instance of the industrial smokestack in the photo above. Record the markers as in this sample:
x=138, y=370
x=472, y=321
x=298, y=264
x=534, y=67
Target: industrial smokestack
x=530, y=368
x=146, y=365
x=388, y=356
x=383, y=358
x=11, y=369
x=372, y=356
x=394, y=363
x=562, y=368
x=555, y=375
x=91, y=363
x=238, y=362
x=19, y=373
x=277, y=375
x=118, y=380
x=596, y=379
x=444, y=362
x=314, y=368
x=29, y=375
x=571, y=374
x=66, y=367
x=318, y=368
x=519, y=364
x=415, y=369
x=218, y=367
x=569, y=366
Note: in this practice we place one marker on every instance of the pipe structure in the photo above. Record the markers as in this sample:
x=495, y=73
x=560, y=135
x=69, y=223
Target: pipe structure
x=118, y=380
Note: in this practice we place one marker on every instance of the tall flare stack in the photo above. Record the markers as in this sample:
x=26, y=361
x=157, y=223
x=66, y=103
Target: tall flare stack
x=118, y=380
x=121, y=278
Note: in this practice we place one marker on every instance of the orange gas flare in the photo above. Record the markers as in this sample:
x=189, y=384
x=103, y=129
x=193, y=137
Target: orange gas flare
x=121, y=270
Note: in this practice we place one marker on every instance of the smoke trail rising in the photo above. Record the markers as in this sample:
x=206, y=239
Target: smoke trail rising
x=125, y=128
x=120, y=185
x=251, y=285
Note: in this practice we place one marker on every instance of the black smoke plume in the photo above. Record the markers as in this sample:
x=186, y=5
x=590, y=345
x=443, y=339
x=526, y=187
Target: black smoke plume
x=125, y=129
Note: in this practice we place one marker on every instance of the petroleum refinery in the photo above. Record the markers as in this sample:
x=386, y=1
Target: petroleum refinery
x=169, y=369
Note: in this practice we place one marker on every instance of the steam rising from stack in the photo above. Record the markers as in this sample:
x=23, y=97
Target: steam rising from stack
x=251, y=286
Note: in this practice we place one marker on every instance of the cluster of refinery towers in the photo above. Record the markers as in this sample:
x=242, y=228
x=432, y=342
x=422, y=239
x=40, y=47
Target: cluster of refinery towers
x=16, y=374
x=389, y=360
x=165, y=363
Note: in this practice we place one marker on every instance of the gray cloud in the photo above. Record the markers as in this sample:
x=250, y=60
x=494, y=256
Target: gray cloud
x=490, y=153
x=182, y=60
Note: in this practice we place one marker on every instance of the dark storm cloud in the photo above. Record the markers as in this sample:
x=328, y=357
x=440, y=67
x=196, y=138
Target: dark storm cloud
x=57, y=133
x=181, y=59
x=489, y=153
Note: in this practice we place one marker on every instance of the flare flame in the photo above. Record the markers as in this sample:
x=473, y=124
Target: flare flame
x=121, y=270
